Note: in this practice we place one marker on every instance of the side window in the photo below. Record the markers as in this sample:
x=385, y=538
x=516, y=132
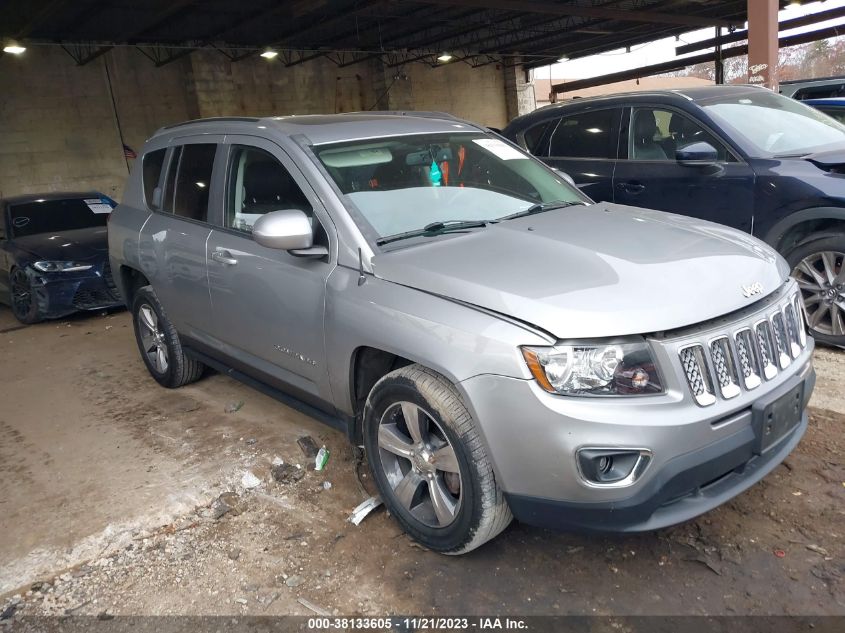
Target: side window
x=537, y=138
x=586, y=135
x=836, y=113
x=152, y=164
x=656, y=134
x=258, y=184
x=188, y=181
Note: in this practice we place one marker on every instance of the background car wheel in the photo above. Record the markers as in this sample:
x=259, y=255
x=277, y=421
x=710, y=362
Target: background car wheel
x=23, y=302
x=429, y=463
x=159, y=343
x=818, y=264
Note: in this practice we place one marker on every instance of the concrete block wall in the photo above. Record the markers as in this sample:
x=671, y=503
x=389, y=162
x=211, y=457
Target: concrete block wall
x=59, y=130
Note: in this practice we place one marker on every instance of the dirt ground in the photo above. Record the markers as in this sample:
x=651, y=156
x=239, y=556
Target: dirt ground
x=109, y=505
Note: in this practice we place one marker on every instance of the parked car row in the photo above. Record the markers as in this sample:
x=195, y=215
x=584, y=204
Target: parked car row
x=502, y=343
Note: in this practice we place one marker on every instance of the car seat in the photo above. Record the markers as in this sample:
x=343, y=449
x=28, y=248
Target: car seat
x=645, y=147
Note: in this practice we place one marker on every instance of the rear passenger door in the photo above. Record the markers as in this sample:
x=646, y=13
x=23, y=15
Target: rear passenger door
x=267, y=304
x=173, y=240
x=582, y=144
x=648, y=174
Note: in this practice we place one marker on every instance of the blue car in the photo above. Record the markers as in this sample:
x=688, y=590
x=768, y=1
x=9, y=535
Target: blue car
x=54, y=255
x=737, y=155
x=833, y=107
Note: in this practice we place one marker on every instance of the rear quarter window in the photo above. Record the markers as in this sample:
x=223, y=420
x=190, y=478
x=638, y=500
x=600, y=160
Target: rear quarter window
x=152, y=164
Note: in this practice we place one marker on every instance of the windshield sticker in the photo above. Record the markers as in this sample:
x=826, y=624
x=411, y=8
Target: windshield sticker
x=498, y=148
x=98, y=206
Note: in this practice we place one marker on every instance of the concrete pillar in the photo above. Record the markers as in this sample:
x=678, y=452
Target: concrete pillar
x=519, y=93
x=763, y=43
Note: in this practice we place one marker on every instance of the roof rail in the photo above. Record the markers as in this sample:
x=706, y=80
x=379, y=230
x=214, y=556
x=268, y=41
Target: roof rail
x=216, y=119
x=425, y=114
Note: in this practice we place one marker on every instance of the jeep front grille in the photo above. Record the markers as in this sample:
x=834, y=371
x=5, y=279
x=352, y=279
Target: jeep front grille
x=747, y=356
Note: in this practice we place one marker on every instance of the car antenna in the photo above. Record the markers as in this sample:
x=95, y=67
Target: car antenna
x=361, y=277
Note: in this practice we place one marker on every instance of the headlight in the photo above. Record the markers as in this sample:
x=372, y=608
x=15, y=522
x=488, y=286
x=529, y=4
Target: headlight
x=600, y=369
x=53, y=267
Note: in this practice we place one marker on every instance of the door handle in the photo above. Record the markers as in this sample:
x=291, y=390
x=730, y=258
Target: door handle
x=224, y=257
x=631, y=187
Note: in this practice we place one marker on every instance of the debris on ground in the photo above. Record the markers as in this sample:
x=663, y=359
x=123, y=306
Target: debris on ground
x=225, y=503
x=277, y=461
x=294, y=581
x=286, y=473
x=818, y=550
x=326, y=485
x=313, y=607
x=322, y=458
x=232, y=407
x=363, y=509
x=250, y=481
x=251, y=441
x=308, y=446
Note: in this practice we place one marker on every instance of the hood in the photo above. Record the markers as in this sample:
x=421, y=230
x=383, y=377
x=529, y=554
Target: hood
x=75, y=245
x=601, y=270
x=833, y=160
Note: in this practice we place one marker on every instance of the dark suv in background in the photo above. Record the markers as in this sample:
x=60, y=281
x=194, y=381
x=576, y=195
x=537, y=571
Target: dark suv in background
x=738, y=155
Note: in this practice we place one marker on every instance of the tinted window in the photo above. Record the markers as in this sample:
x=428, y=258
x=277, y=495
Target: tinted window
x=586, y=135
x=189, y=180
x=152, y=163
x=537, y=138
x=657, y=134
x=52, y=216
x=259, y=184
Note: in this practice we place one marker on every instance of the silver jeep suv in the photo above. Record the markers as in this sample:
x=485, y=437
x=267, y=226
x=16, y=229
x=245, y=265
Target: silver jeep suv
x=499, y=344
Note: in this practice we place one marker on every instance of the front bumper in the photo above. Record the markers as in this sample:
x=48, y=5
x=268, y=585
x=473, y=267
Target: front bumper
x=700, y=460
x=62, y=293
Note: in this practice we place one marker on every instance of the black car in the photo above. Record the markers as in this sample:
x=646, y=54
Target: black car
x=54, y=255
x=738, y=155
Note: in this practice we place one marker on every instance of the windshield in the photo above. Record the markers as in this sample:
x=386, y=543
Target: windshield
x=436, y=181
x=51, y=216
x=774, y=124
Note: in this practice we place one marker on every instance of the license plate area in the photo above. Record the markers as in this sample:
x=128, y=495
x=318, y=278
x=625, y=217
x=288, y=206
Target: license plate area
x=774, y=418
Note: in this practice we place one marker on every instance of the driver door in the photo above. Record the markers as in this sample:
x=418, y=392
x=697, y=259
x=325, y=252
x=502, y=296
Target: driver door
x=267, y=305
x=648, y=175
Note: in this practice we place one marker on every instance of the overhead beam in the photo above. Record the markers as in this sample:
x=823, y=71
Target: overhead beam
x=548, y=8
x=739, y=36
x=679, y=64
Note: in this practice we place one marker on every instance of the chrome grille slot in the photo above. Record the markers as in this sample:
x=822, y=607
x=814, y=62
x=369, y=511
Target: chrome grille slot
x=791, y=330
x=723, y=365
x=781, y=342
x=698, y=376
x=765, y=346
x=749, y=367
x=746, y=353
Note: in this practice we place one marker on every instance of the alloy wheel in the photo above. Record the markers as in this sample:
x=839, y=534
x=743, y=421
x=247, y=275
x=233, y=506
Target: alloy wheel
x=420, y=464
x=21, y=293
x=152, y=338
x=821, y=277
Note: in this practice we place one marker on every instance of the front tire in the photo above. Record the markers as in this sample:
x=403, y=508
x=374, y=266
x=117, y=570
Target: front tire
x=429, y=463
x=22, y=299
x=818, y=264
x=159, y=342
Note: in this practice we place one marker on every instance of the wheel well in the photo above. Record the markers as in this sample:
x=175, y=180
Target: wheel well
x=801, y=231
x=131, y=280
x=368, y=366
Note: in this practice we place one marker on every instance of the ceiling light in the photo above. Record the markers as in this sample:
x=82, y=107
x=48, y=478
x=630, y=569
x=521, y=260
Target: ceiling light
x=562, y=58
x=269, y=53
x=14, y=48
x=444, y=57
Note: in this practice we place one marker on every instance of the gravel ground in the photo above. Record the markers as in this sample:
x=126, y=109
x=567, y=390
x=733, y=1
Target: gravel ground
x=127, y=499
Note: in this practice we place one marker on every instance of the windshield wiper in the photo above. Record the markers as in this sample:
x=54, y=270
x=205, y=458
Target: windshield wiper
x=436, y=228
x=541, y=207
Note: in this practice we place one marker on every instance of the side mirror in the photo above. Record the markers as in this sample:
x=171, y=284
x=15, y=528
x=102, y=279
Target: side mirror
x=700, y=153
x=565, y=176
x=287, y=230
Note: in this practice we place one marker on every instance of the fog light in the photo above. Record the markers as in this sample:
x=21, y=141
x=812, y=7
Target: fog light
x=612, y=467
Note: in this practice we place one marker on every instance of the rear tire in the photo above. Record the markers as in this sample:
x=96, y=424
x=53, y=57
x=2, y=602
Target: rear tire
x=818, y=264
x=159, y=342
x=433, y=474
x=21, y=298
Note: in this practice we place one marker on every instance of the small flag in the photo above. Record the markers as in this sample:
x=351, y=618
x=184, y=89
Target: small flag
x=128, y=152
